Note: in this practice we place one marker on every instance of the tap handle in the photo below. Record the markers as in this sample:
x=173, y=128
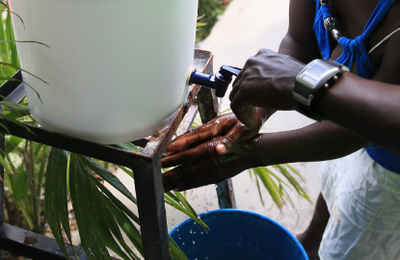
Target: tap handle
x=229, y=71
x=224, y=78
x=219, y=82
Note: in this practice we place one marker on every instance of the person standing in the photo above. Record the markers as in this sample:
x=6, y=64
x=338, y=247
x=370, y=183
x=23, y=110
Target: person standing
x=358, y=210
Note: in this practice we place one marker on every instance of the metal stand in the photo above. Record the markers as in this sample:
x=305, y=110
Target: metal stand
x=146, y=166
x=208, y=109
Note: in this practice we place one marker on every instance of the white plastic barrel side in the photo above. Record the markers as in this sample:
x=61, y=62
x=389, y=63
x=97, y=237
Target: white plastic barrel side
x=116, y=69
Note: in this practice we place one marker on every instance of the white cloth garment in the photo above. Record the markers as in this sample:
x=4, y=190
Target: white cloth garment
x=363, y=199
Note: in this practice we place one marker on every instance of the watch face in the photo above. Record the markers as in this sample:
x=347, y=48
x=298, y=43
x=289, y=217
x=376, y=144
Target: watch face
x=310, y=81
x=316, y=73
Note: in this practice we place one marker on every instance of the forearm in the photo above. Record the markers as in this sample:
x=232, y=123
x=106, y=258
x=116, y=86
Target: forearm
x=369, y=108
x=316, y=142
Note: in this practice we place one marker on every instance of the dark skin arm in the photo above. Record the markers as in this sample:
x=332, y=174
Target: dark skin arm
x=201, y=165
x=366, y=107
x=362, y=106
x=294, y=43
x=299, y=41
x=366, y=101
x=316, y=142
x=257, y=85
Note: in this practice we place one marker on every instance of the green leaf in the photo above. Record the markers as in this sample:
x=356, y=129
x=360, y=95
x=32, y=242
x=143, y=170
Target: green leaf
x=175, y=251
x=117, y=202
x=293, y=182
x=26, y=84
x=111, y=230
x=14, y=110
x=18, y=68
x=270, y=185
x=178, y=201
x=6, y=8
x=126, y=170
x=87, y=211
x=56, y=199
x=99, y=230
x=259, y=191
x=128, y=146
x=123, y=222
x=276, y=185
x=12, y=143
x=35, y=42
x=108, y=176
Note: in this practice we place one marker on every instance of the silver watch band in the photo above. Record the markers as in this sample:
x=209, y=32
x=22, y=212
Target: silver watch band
x=314, y=79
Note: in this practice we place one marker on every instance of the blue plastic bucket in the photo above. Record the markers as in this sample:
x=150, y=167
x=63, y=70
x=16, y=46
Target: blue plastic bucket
x=237, y=235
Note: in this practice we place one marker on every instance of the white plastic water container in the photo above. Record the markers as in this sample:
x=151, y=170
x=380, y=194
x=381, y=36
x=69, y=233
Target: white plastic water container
x=116, y=69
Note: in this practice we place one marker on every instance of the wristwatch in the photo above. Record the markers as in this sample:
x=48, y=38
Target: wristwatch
x=315, y=78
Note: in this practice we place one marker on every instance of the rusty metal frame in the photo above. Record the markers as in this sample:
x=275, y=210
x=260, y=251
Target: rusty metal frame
x=146, y=167
x=208, y=108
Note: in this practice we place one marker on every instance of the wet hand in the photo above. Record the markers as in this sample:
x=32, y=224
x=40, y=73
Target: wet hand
x=202, y=165
x=229, y=130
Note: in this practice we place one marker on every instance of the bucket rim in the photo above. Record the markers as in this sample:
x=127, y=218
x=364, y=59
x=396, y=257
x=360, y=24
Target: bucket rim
x=241, y=211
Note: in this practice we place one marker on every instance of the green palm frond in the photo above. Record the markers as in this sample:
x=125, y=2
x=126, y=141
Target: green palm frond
x=104, y=222
x=24, y=182
x=175, y=251
x=179, y=202
x=276, y=185
x=8, y=49
x=56, y=199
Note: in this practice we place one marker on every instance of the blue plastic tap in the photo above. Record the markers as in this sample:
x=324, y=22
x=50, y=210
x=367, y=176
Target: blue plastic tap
x=220, y=81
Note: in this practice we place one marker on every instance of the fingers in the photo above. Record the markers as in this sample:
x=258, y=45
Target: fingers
x=216, y=127
x=245, y=113
x=236, y=82
x=200, y=152
x=241, y=100
x=184, y=141
x=240, y=132
x=236, y=135
x=209, y=168
x=222, y=148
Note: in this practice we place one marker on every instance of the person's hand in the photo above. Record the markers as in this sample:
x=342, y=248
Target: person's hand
x=227, y=127
x=266, y=81
x=209, y=153
x=201, y=165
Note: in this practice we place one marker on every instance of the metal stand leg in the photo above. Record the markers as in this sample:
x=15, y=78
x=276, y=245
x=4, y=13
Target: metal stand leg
x=152, y=213
x=208, y=109
x=226, y=196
